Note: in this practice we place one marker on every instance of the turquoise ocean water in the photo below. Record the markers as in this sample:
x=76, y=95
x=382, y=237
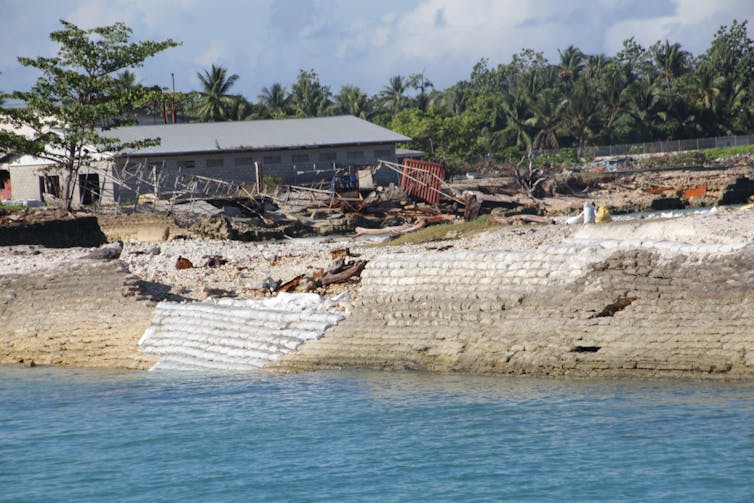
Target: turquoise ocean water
x=86, y=435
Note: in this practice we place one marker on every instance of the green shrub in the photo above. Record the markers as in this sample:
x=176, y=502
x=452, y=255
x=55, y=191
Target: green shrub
x=713, y=154
x=271, y=181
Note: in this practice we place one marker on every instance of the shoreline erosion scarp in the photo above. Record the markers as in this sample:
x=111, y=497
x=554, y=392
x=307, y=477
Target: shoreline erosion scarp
x=515, y=300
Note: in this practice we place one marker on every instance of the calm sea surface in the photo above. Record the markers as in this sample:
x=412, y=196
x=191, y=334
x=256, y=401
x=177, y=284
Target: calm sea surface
x=85, y=435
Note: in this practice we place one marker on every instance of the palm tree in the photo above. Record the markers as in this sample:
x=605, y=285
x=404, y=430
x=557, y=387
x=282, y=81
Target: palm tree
x=571, y=63
x=516, y=110
x=453, y=100
x=547, y=110
x=214, y=100
x=125, y=79
x=351, y=101
x=614, y=96
x=421, y=83
x=393, y=96
x=595, y=65
x=671, y=62
x=581, y=111
x=275, y=100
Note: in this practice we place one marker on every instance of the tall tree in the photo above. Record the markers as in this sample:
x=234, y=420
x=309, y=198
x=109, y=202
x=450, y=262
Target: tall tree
x=393, y=96
x=671, y=62
x=78, y=89
x=215, y=102
x=421, y=83
x=275, y=100
x=309, y=98
x=571, y=63
x=582, y=111
x=351, y=101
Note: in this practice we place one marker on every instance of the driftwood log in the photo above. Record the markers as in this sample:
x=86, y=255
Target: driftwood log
x=343, y=273
x=397, y=230
x=536, y=219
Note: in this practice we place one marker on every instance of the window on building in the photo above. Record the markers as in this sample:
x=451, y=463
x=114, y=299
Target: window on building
x=383, y=153
x=271, y=159
x=188, y=164
x=300, y=158
x=5, y=188
x=215, y=163
x=49, y=184
x=246, y=162
x=328, y=156
x=89, y=189
x=355, y=155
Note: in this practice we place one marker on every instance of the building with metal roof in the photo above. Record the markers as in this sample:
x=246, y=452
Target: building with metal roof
x=259, y=135
x=292, y=151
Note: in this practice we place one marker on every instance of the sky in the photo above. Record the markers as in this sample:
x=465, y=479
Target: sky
x=356, y=42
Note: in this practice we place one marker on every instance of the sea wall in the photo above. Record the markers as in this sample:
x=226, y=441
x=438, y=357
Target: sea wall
x=235, y=334
x=582, y=307
x=86, y=313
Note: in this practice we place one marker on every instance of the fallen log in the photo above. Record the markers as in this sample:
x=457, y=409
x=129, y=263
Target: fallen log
x=395, y=230
x=523, y=217
x=343, y=274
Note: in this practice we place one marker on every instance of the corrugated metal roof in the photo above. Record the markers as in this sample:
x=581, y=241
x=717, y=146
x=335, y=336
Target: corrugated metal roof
x=257, y=135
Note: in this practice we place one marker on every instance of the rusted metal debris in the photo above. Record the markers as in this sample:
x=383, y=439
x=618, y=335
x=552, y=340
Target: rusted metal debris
x=659, y=189
x=697, y=192
x=289, y=285
x=423, y=179
x=183, y=263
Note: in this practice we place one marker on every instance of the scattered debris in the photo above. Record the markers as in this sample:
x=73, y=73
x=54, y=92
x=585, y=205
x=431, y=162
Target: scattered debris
x=697, y=192
x=107, y=252
x=214, y=261
x=657, y=190
x=342, y=272
x=290, y=285
x=183, y=263
x=340, y=253
x=603, y=215
x=395, y=230
x=471, y=207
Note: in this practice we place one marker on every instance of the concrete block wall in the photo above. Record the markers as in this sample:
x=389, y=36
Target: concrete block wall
x=578, y=308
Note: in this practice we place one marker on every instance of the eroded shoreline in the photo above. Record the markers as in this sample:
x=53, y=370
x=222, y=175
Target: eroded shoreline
x=517, y=300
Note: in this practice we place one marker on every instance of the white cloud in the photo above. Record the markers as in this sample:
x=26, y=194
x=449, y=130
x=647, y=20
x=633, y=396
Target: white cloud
x=215, y=53
x=361, y=43
x=692, y=23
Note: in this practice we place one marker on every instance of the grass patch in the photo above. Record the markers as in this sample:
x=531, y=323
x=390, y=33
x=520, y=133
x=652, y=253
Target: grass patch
x=11, y=208
x=724, y=152
x=442, y=231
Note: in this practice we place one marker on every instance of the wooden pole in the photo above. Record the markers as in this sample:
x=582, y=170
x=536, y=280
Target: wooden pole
x=258, y=176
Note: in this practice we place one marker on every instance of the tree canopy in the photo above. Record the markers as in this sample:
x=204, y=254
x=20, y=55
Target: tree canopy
x=80, y=95
x=638, y=94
